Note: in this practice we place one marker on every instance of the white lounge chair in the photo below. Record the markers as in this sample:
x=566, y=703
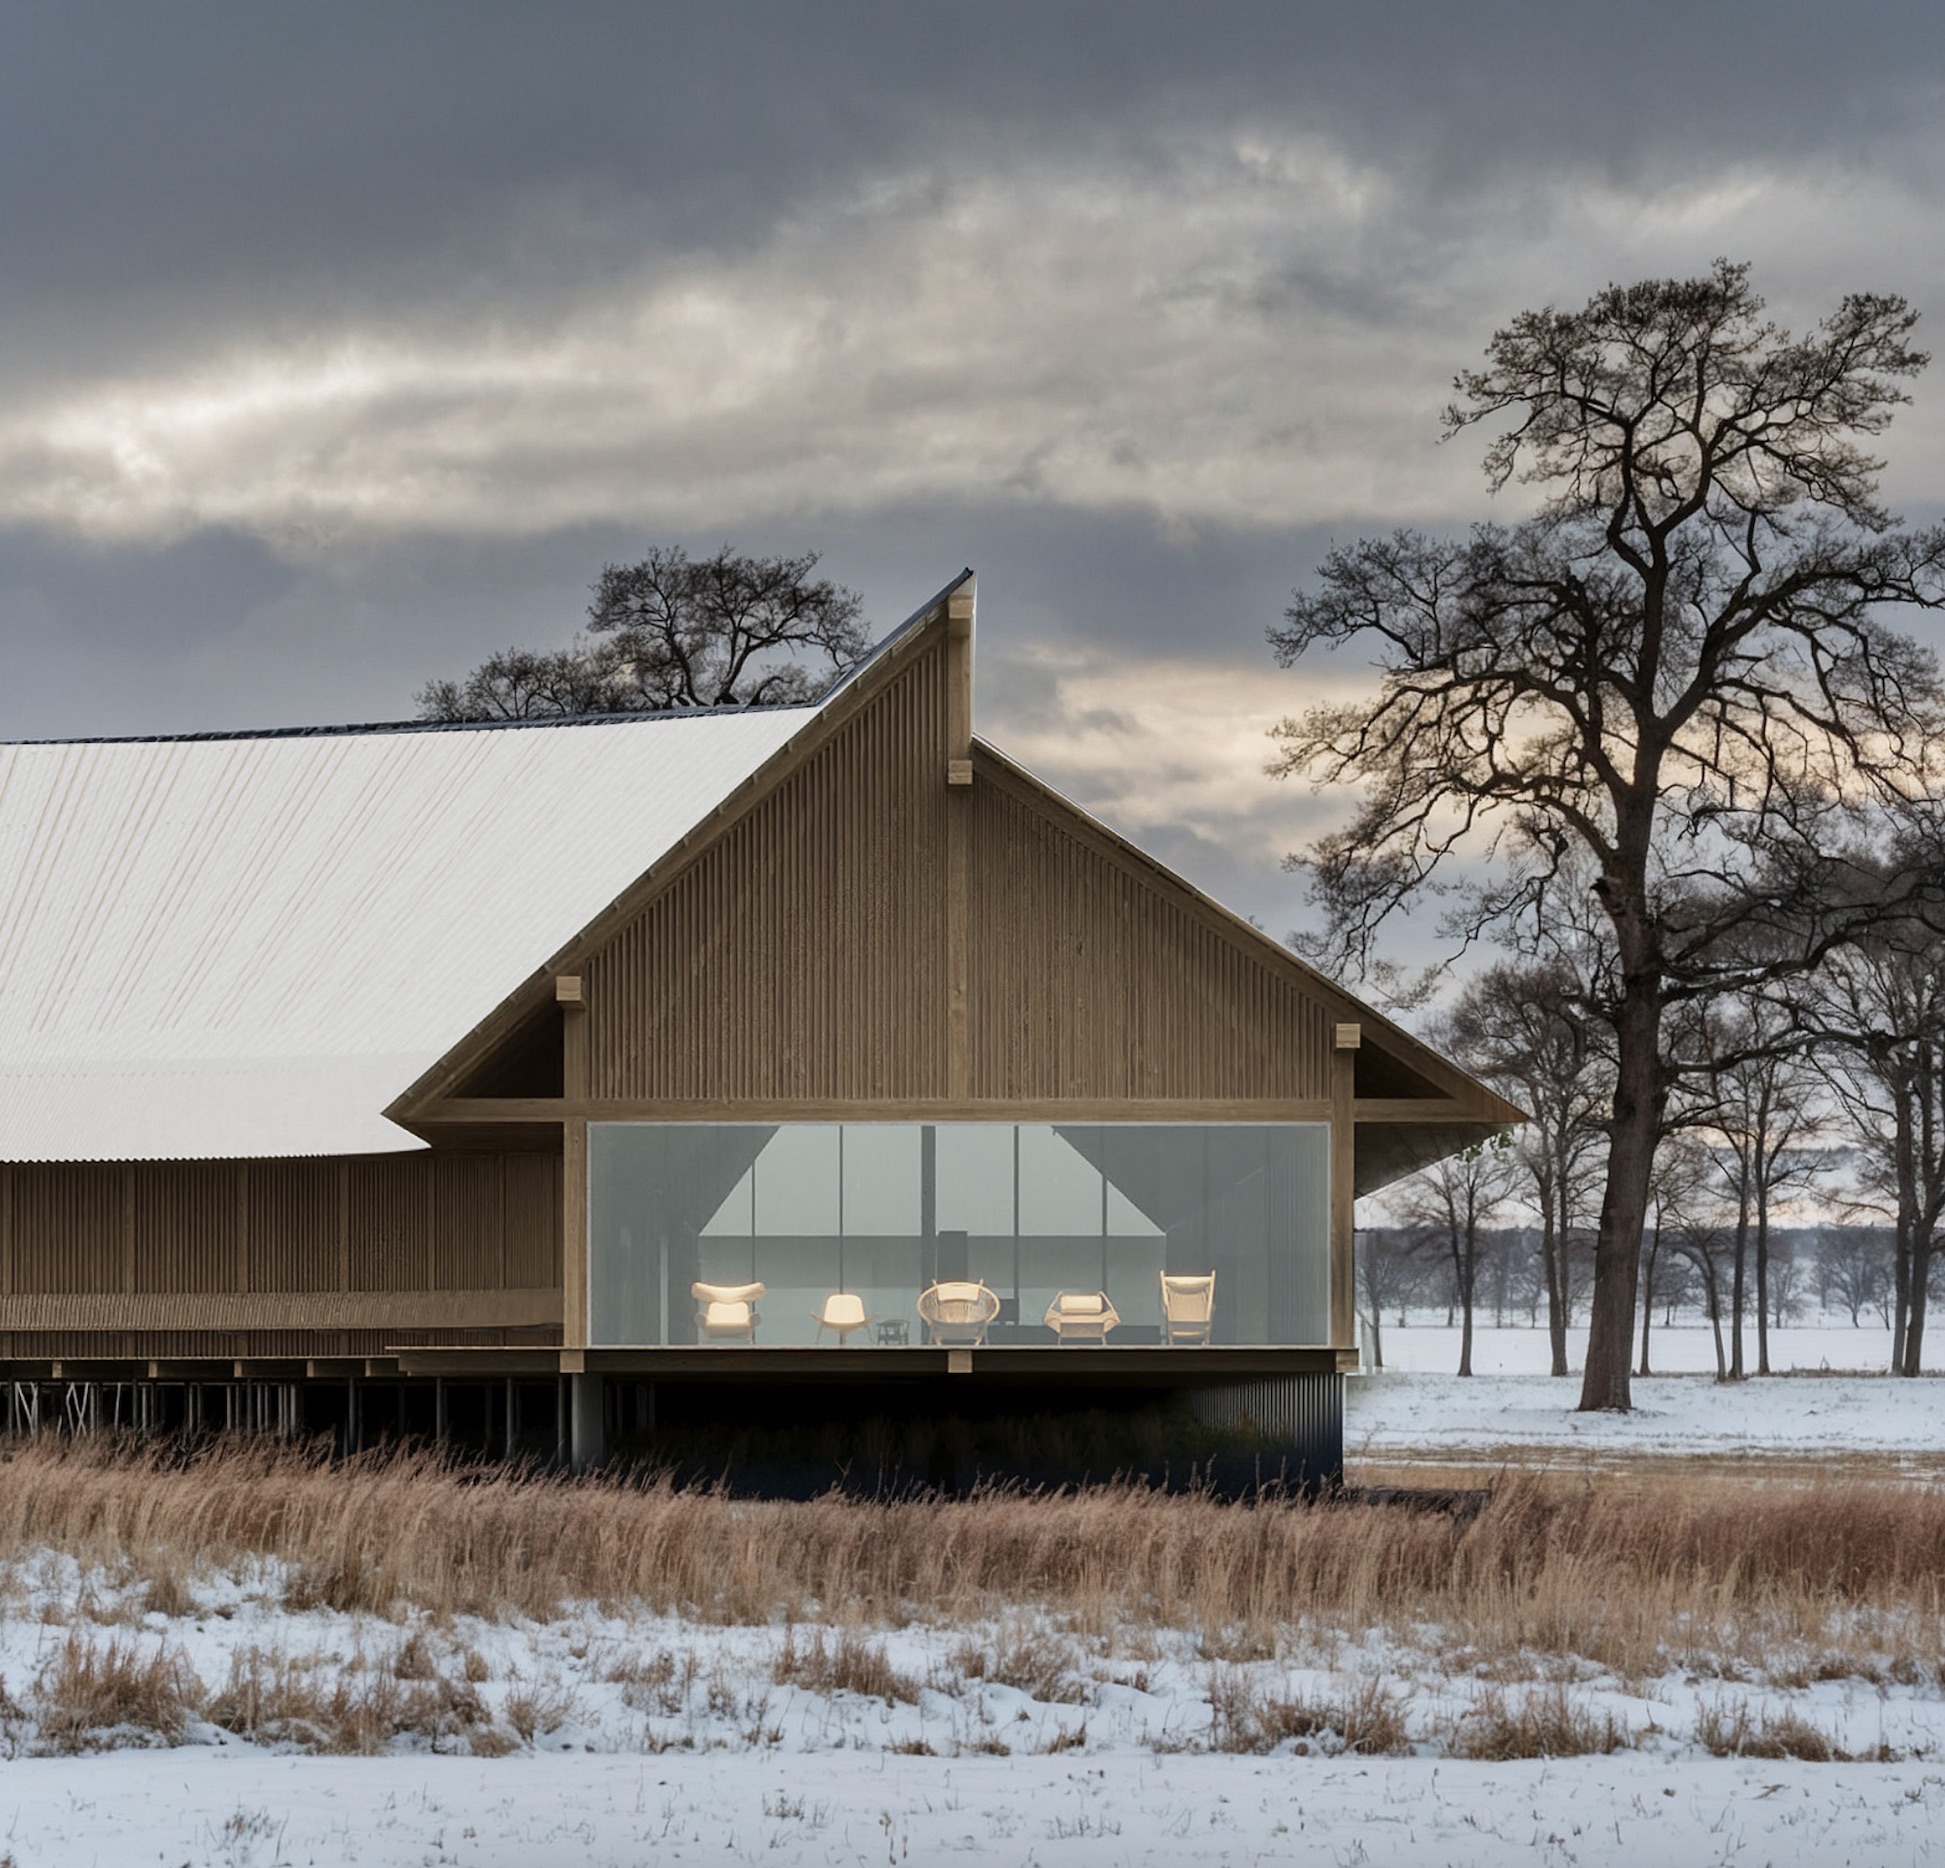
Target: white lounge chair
x=843, y=1314
x=957, y=1313
x=1188, y=1308
x=726, y=1313
x=1082, y=1316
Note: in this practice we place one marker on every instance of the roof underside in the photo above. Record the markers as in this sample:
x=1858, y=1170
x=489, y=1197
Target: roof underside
x=249, y=946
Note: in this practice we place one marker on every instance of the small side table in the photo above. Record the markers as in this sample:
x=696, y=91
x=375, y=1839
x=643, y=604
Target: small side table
x=894, y=1332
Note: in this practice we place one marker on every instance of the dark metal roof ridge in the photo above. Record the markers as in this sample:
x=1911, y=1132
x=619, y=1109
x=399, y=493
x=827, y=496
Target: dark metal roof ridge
x=352, y=730
x=885, y=643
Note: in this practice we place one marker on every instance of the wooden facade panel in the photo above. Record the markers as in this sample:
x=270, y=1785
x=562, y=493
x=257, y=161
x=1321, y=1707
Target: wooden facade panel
x=1090, y=979
x=803, y=953
x=532, y=1196
x=391, y=1223
x=809, y=952
x=467, y=1247
x=188, y=1218
x=296, y=1223
x=67, y=1227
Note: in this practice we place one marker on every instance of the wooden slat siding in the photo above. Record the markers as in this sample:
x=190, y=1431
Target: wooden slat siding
x=533, y=1220
x=67, y=1227
x=466, y=1221
x=1089, y=982
x=184, y=1219
x=167, y=1345
x=304, y=1311
x=802, y=954
x=294, y=1225
x=391, y=1223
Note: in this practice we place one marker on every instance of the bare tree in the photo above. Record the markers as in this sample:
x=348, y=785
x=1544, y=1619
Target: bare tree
x=1525, y=1029
x=1880, y=1012
x=674, y=631
x=1761, y=1124
x=1389, y=1275
x=1675, y=672
x=1670, y=1261
x=1453, y=1203
x=1853, y=1269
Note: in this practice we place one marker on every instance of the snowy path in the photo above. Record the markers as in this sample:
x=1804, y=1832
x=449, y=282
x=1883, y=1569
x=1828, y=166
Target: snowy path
x=196, y=1806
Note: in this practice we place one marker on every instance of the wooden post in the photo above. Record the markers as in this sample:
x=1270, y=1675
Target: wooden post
x=569, y=995
x=958, y=850
x=1343, y=1186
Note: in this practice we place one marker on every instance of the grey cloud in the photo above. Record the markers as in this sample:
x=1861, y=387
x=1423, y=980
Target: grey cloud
x=289, y=164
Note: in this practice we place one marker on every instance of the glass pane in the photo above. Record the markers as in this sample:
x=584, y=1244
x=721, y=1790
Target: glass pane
x=796, y=1182
x=878, y=1211
x=1060, y=1192
x=976, y=1178
x=881, y=1179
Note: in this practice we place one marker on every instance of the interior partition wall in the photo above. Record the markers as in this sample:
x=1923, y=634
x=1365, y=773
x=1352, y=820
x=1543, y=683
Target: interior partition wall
x=882, y=1211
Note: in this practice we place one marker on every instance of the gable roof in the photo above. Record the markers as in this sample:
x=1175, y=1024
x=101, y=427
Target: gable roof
x=255, y=945
x=248, y=945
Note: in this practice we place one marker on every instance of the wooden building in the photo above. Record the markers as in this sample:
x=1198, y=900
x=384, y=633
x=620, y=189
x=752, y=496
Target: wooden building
x=459, y=1078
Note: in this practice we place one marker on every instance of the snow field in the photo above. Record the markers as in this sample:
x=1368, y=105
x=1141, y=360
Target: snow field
x=144, y=1719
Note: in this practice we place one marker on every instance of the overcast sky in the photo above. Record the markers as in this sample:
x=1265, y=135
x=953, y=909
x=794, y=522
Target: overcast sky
x=343, y=344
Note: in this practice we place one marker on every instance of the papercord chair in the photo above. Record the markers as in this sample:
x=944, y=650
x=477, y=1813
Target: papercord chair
x=843, y=1314
x=726, y=1313
x=956, y=1313
x=1188, y=1308
x=1082, y=1316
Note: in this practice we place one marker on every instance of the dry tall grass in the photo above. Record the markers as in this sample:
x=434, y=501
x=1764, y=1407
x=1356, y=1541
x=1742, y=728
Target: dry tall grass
x=1729, y=1577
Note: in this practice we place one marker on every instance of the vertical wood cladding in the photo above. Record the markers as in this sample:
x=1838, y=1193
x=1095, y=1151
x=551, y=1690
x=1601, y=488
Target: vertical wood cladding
x=417, y=1222
x=803, y=953
x=65, y=1228
x=1090, y=977
x=531, y=1186
x=188, y=1226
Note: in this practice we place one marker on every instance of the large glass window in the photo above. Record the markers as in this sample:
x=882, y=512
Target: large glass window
x=1042, y=1215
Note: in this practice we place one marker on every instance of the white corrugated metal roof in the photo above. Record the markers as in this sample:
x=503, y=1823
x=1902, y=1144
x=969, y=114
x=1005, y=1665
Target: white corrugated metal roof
x=250, y=946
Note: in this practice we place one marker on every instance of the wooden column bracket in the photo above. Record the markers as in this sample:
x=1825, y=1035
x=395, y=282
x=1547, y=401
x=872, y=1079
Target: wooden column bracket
x=571, y=996
x=1343, y=1186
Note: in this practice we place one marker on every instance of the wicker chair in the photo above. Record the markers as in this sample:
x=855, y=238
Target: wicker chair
x=843, y=1315
x=1188, y=1308
x=957, y=1313
x=726, y=1313
x=1082, y=1317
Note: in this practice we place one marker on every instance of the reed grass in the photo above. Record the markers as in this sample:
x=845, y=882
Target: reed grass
x=1725, y=1577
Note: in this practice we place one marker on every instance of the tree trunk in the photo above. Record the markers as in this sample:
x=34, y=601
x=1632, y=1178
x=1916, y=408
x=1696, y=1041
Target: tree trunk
x=1738, y=1286
x=1624, y=1203
x=1715, y=1323
x=1466, y=1276
x=1648, y=1259
x=1904, y=1237
x=1554, y=1244
x=1914, y=1335
x=1762, y=1277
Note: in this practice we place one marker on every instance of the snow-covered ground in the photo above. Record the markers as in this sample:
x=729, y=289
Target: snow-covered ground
x=635, y=1738
x=628, y=1737
x=1418, y=1406
x=870, y=1809
x=1685, y=1348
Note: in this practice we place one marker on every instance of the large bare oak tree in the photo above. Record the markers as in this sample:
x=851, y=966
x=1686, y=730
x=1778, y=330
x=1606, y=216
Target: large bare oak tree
x=1676, y=675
